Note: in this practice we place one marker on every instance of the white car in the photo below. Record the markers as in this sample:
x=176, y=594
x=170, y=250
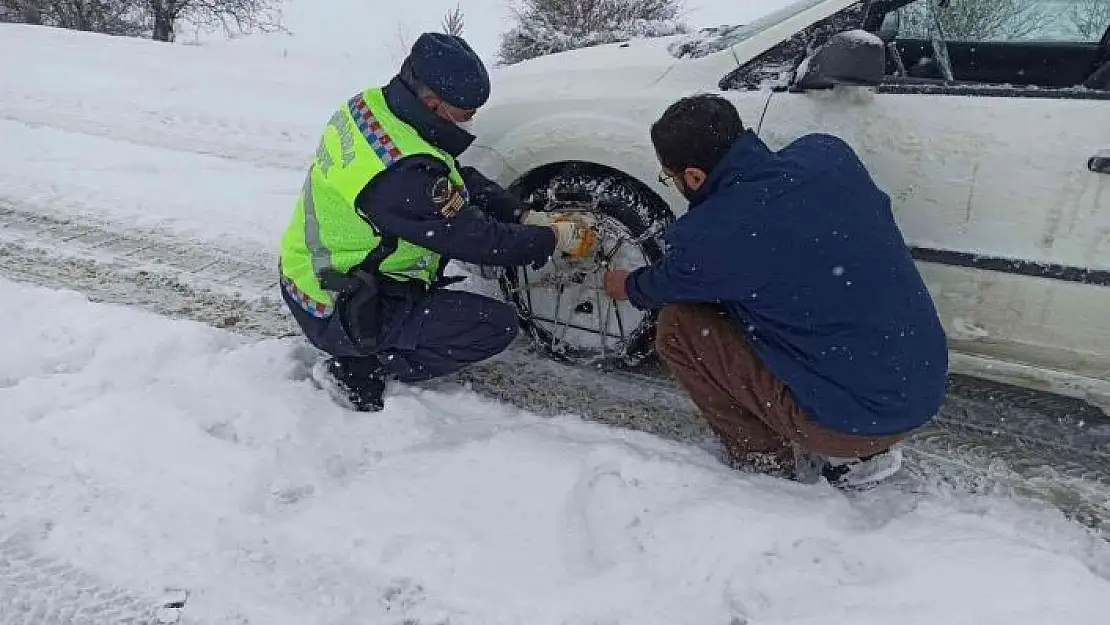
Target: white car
x=994, y=150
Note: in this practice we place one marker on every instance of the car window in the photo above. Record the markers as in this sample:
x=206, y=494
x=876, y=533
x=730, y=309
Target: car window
x=1036, y=48
x=1008, y=20
x=775, y=68
x=710, y=40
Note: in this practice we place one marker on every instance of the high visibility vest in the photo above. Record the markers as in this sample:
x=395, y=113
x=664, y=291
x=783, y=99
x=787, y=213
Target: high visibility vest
x=326, y=232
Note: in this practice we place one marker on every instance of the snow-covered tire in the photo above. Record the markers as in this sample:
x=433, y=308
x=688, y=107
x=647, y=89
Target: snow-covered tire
x=621, y=204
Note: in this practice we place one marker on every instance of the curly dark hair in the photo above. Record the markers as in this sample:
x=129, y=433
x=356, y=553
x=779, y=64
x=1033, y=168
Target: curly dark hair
x=696, y=131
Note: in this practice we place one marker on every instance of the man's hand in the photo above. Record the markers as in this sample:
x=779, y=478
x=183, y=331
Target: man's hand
x=614, y=284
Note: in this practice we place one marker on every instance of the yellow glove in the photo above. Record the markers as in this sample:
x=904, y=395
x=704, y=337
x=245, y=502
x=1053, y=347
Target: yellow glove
x=574, y=233
x=539, y=218
x=576, y=238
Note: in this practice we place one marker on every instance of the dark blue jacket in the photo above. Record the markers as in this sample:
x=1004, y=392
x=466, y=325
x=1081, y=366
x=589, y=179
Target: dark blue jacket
x=398, y=201
x=802, y=249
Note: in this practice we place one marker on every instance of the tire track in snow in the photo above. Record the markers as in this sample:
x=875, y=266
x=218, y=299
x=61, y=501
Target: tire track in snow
x=1054, y=448
x=145, y=269
x=34, y=589
x=191, y=280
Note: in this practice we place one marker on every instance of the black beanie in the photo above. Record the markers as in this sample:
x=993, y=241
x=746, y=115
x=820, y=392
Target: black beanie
x=447, y=65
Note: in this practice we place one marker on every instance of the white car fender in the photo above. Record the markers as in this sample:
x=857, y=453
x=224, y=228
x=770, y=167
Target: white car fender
x=606, y=140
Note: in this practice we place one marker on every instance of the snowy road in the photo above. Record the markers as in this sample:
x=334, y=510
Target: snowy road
x=1053, y=448
x=173, y=441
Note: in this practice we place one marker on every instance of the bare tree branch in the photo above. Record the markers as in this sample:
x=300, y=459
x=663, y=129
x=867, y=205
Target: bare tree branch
x=453, y=22
x=978, y=20
x=1089, y=18
x=157, y=19
x=113, y=17
x=231, y=16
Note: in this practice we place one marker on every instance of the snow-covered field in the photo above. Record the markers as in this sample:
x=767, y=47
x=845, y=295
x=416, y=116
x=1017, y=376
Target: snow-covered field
x=162, y=453
x=151, y=453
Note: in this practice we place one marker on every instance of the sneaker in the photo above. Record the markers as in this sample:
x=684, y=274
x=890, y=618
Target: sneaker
x=356, y=383
x=862, y=473
x=808, y=467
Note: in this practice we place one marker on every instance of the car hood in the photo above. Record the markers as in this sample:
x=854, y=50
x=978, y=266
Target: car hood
x=586, y=72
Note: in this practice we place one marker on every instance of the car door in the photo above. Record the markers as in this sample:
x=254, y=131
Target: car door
x=990, y=152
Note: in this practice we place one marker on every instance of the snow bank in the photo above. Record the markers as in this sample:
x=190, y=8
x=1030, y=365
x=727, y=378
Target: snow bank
x=158, y=453
x=367, y=33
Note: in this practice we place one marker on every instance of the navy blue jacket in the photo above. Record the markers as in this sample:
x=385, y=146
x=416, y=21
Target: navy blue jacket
x=398, y=201
x=802, y=249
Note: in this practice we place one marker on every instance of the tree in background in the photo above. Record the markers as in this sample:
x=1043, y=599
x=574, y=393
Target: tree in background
x=113, y=17
x=551, y=26
x=976, y=20
x=1089, y=18
x=21, y=11
x=233, y=16
x=453, y=23
x=156, y=19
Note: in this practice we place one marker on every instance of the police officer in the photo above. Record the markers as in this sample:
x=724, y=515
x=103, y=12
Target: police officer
x=383, y=208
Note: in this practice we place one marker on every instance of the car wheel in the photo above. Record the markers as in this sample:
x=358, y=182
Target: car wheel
x=563, y=306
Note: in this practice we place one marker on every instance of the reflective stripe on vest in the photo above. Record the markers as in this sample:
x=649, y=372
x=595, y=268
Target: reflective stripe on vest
x=321, y=255
x=372, y=131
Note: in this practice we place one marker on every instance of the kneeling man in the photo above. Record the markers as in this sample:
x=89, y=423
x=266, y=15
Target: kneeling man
x=792, y=311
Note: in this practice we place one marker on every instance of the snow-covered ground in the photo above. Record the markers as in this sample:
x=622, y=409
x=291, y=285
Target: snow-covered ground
x=161, y=453
x=152, y=453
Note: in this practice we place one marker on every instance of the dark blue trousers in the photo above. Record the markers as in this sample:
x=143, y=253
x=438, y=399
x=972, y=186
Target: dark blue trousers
x=437, y=334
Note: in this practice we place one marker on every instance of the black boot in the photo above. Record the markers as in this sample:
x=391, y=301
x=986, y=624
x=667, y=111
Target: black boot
x=359, y=381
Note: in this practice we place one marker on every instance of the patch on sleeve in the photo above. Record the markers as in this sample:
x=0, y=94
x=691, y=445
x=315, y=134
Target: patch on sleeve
x=446, y=196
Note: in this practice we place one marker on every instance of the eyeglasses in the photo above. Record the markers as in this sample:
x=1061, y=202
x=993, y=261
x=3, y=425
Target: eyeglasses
x=665, y=178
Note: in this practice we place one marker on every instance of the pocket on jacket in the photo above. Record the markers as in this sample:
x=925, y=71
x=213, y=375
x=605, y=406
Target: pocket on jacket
x=371, y=317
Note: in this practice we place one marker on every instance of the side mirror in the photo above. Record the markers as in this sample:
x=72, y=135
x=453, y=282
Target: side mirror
x=854, y=57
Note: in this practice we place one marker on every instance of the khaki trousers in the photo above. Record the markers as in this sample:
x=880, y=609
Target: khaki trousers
x=750, y=410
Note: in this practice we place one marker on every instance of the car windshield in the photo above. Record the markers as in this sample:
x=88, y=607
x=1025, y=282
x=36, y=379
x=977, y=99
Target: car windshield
x=710, y=40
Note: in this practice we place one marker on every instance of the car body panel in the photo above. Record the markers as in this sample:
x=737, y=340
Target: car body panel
x=1011, y=228
x=996, y=176
x=610, y=131
x=1032, y=332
